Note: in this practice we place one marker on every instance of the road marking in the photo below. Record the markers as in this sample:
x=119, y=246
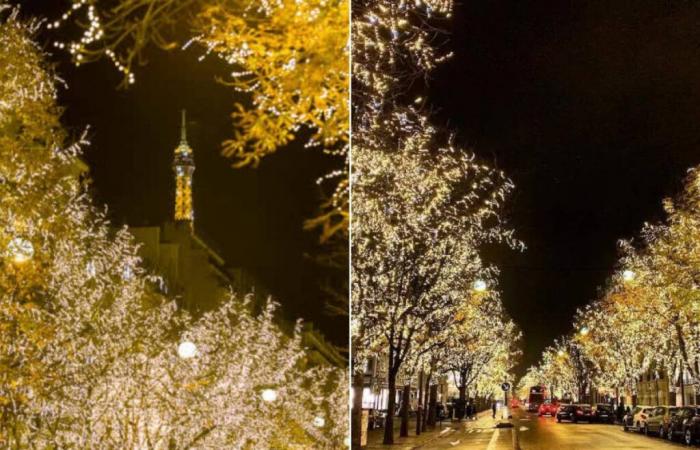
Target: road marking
x=494, y=439
x=471, y=430
x=446, y=430
x=524, y=428
x=455, y=443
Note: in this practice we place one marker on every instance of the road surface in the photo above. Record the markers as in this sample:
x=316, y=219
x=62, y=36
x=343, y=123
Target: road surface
x=543, y=433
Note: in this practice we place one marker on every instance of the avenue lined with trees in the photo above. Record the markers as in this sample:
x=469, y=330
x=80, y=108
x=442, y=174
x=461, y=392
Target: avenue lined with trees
x=647, y=320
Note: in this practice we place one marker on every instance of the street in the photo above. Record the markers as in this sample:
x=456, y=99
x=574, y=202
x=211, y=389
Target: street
x=531, y=432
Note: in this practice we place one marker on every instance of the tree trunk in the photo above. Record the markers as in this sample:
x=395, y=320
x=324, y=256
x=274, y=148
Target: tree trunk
x=462, y=399
x=356, y=418
x=432, y=413
x=390, y=407
x=405, y=407
x=426, y=396
x=419, y=403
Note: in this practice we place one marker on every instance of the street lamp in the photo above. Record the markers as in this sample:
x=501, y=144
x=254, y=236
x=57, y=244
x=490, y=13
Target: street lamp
x=560, y=353
x=584, y=331
x=20, y=250
x=628, y=275
x=269, y=395
x=479, y=286
x=187, y=350
x=319, y=422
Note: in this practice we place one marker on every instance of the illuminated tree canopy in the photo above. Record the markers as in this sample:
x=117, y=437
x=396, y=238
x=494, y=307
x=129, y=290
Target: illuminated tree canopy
x=290, y=58
x=90, y=348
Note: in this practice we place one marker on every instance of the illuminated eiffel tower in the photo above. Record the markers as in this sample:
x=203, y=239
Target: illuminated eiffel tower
x=183, y=165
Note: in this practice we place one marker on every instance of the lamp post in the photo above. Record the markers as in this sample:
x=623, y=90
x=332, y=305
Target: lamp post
x=187, y=350
x=20, y=250
x=479, y=286
x=628, y=275
x=269, y=395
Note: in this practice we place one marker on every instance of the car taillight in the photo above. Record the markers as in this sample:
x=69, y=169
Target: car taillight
x=579, y=412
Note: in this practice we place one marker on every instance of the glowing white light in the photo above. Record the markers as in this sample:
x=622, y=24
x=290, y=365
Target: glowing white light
x=479, y=286
x=20, y=250
x=560, y=353
x=187, y=350
x=269, y=395
x=628, y=275
x=319, y=422
x=90, y=269
x=127, y=273
x=584, y=331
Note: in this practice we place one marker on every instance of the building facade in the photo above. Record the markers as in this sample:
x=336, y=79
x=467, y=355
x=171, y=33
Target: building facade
x=194, y=273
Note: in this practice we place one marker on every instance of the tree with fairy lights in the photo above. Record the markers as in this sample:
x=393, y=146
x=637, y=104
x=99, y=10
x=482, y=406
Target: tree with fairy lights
x=290, y=57
x=92, y=355
x=422, y=207
x=473, y=356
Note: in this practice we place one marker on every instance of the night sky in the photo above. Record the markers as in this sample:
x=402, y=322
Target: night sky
x=593, y=109
x=252, y=217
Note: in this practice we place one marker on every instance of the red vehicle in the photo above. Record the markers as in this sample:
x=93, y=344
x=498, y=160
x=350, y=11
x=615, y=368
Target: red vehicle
x=549, y=407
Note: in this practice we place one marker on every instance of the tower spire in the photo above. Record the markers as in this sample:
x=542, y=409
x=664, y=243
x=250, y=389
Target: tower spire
x=183, y=128
x=183, y=165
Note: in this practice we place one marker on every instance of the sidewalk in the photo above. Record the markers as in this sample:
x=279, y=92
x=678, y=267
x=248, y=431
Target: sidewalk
x=375, y=437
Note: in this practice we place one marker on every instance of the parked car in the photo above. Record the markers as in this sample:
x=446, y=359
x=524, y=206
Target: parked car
x=685, y=424
x=604, y=413
x=566, y=412
x=575, y=413
x=636, y=419
x=658, y=420
x=549, y=407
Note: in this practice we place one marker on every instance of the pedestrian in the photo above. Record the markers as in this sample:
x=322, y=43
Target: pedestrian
x=493, y=410
x=620, y=413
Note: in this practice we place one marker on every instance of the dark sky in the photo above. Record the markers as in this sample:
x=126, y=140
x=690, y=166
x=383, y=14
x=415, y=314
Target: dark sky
x=253, y=217
x=593, y=109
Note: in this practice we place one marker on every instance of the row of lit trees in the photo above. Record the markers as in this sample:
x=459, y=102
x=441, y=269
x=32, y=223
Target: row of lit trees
x=422, y=208
x=92, y=354
x=648, y=318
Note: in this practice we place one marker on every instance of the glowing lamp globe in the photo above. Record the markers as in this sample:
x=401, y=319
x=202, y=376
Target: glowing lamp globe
x=584, y=331
x=319, y=422
x=187, y=350
x=20, y=250
x=479, y=286
x=560, y=353
x=628, y=275
x=269, y=395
